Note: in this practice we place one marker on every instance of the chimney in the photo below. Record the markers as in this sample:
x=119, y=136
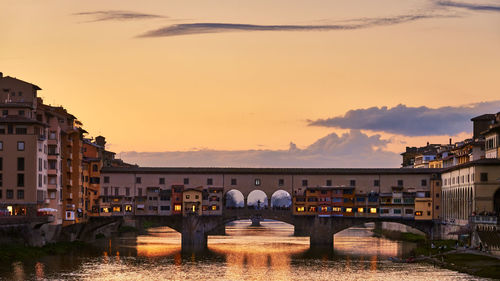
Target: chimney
x=450, y=141
x=100, y=141
x=427, y=143
x=1, y=74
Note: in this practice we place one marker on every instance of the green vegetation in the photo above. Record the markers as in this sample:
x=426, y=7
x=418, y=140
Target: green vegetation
x=99, y=236
x=401, y=236
x=125, y=229
x=149, y=224
x=440, y=246
x=478, y=265
x=16, y=252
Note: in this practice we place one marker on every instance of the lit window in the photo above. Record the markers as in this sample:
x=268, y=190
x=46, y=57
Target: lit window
x=300, y=209
x=348, y=210
x=324, y=209
x=105, y=210
x=418, y=213
x=257, y=182
x=312, y=208
x=128, y=208
x=117, y=209
x=336, y=209
x=360, y=210
x=373, y=210
x=214, y=208
x=187, y=196
x=177, y=207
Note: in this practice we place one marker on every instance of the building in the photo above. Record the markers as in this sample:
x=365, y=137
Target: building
x=470, y=188
x=192, y=201
x=43, y=157
x=492, y=138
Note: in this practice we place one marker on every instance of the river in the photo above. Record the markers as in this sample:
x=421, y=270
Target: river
x=269, y=252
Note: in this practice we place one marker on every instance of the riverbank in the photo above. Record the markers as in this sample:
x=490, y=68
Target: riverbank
x=468, y=262
x=16, y=252
x=443, y=253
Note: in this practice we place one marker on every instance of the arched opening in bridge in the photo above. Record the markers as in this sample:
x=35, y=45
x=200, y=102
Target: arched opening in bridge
x=382, y=239
x=234, y=199
x=496, y=202
x=281, y=200
x=257, y=199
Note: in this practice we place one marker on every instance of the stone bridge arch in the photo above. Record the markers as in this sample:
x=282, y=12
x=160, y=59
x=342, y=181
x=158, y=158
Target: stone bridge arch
x=343, y=223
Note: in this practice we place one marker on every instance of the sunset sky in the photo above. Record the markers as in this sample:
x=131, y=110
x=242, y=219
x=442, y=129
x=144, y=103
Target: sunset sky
x=260, y=82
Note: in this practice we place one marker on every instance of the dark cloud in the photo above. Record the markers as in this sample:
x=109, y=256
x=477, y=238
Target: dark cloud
x=353, y=149
x=200, y=28
x=411, y=121
x=111, y=15
x=469, y=6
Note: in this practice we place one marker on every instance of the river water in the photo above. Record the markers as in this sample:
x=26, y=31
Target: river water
x=269, y=252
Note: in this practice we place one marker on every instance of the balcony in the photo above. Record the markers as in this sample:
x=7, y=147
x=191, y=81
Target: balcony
x=52, y=171
x=70, y=196
x=52, y=142
x=52, y=186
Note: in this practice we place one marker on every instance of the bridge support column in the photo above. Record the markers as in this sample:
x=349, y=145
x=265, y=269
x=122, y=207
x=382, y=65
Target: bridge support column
x=321, y=233
x=194, y=236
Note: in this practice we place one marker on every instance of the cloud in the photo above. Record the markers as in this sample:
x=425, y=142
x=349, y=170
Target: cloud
x=200, y=28
x=111, y=15
x=469, y=6
x=352, y=149
x=411, y=121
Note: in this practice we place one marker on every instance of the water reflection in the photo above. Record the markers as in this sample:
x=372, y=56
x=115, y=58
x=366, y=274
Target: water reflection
x=270, y=252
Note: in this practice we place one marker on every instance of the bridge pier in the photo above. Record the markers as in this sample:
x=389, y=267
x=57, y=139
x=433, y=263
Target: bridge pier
x=321, y=233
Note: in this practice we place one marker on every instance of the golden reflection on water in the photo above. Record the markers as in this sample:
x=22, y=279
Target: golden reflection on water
x=270, y=252
x=39, y=270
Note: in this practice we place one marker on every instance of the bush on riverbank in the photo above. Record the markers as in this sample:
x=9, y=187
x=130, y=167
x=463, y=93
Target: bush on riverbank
x=125, y=229
x=17, y=252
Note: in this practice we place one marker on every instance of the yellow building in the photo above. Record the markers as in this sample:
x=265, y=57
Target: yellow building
x=191, y=201
x=423, y=208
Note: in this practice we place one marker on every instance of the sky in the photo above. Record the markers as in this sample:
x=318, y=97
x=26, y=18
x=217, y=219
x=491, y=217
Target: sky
x=260, y=83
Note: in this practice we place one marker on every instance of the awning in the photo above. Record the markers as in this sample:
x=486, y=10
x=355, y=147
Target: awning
x=47, y=210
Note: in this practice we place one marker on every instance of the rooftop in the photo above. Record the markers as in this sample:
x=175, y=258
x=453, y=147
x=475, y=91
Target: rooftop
x=271, y=171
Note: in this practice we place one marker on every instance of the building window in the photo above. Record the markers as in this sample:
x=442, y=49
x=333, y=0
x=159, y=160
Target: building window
x=106, y=179
x=373, y=210
x=10, y=194
x=20, y=180
x=138, y=180
x=1, y=145
x=281, y=182
x=1, y=180
x=233, y=182
x=423, y=182
x=210, y=181
x=400, y=182
x=376, y=183
x=361, y=210
x=95, y=168
x=20, y=146
x=304, y=182
x=484, y=176
x=20, y=164
x=257, y=182
x=177, y=207
x=186, y=180
x=20, y=194
x=1, y=163
x=328, y=182
x=352, y=182
x=397, y=211
x=162, y=180
x=21, y=131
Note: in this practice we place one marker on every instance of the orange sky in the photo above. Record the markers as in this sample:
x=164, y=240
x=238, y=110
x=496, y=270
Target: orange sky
x=245, y=90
